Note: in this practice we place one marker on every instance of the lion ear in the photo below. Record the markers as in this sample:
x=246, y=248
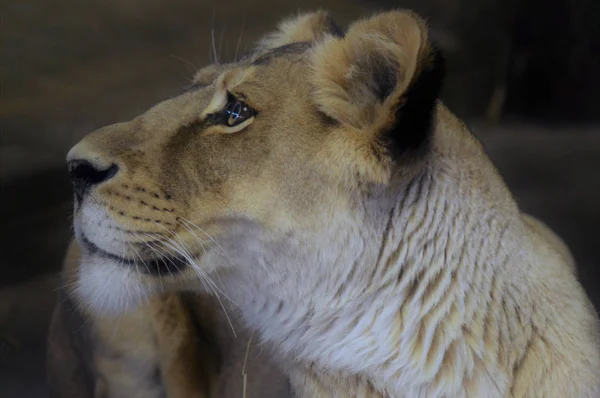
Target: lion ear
x=307, y=27
x=383, y=78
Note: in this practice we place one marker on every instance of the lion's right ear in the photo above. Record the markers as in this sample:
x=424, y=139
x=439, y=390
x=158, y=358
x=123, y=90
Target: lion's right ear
x=308, y=27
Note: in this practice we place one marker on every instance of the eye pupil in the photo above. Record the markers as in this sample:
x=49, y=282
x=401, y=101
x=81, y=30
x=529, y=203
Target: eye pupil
x=236, y=112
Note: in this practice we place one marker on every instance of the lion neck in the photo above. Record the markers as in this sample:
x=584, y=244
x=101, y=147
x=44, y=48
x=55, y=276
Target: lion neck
x=387, y=291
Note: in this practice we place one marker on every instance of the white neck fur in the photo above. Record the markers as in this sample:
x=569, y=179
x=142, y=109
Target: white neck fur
x=393, y=291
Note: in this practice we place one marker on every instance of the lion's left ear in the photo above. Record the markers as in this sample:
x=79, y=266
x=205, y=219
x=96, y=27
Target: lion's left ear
x=308, y=27
x=383, y=79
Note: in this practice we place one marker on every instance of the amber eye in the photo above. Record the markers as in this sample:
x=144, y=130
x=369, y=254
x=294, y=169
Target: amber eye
x=236, y=112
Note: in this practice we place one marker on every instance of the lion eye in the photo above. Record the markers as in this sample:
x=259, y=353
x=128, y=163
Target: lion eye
x=236, y=112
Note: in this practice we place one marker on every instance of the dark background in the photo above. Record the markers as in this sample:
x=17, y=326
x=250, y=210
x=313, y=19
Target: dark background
x=524, y=74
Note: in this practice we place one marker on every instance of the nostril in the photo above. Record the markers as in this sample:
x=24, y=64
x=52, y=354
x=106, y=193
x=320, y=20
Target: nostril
x=84, y=174
x=82, y=169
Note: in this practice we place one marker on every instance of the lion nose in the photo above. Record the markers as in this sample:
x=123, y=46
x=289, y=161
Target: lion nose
x=85, y=174
x=88, y=168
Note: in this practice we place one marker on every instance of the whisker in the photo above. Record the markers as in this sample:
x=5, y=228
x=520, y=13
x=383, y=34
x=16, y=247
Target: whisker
x=172, y=262
x=70, y=262
x=209, y=237
x=174, y=248
x=215, y=288
x=145, y=265
x=237, y=47
x=179, y=250
x=180, y=247
x=186, y=224
x=221, y=39
x=164, y=256
x=202, y=275
x=200, y=241
x=244, y=374
x=65, y=286
x=212, y=34
x=116, y=329
x=189, y=64
x=68, y=274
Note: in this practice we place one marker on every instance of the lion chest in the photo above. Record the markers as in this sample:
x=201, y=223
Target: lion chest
x=126, y=358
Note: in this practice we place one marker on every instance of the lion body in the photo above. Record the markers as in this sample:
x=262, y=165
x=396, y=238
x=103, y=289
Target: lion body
x=353, y=220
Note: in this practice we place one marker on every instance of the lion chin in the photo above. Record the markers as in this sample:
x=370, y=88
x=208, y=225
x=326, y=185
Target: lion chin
x=105, y=287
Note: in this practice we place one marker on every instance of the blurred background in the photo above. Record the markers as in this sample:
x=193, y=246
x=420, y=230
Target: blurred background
x=524, y=74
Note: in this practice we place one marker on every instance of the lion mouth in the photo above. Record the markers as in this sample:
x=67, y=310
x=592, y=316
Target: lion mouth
x=157, y=266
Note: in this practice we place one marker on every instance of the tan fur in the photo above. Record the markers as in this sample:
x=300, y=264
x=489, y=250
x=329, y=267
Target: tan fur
x=302, y=28
x=370, y=271
x=538, y=227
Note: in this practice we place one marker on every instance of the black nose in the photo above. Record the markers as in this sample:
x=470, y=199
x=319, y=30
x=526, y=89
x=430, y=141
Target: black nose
x=84, y=175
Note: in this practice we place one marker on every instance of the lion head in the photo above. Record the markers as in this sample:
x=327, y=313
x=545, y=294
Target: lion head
x=264, y=170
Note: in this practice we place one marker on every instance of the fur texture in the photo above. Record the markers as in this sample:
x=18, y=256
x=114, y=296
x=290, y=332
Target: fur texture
x=353, y=220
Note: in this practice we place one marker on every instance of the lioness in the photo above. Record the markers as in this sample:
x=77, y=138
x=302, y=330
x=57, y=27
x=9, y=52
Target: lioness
x=359, y=227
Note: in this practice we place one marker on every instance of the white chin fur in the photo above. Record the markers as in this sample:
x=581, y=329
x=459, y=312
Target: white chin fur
x=109, y=288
